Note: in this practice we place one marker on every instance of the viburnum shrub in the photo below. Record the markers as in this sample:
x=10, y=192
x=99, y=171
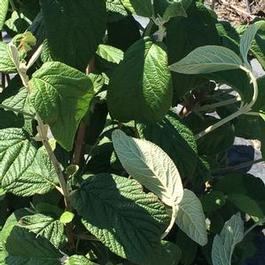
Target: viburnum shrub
x=115, y=137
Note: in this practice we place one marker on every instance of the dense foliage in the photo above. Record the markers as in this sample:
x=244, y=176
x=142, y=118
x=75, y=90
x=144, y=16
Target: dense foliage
x=115, y=137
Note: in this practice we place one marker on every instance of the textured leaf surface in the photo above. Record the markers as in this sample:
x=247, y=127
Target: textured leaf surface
x=78, y=260
x=24, y=247
x=150, y=165
x=224, y=244
x=6, y=63
x=124, y=218
x=17, y=153
x=139, y=7
x=110, y=54
x=61, y=95
x=115, y=10
x=207, y=59
x=39, y=178
x=191, y=219
x=175, y=139
x=44, y=226
x=19, y=102
x=74, y=29
x=3, y=11
x=140, y=86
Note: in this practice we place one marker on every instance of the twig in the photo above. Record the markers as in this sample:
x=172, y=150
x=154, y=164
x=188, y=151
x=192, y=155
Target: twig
x=238, y=10
x=80, y=139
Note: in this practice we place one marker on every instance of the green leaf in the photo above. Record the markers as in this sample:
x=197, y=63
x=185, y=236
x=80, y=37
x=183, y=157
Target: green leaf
x=24, y=247
x=17, y=153
x=207, y=59
x=61, y=95
x=175, y=9
x=67, y=217
x=224, y=244
x=246, y=41
x=39, y=178
x=74, y=29
x=186, y=34
x=127, y=220
x=78, y=260
x=139, y=7
x=239, y=189
x=110, y=54
x=150, y=165
x=6, y=64
x=3, y=12
x=190, y=218
x=19, y=102
x=115, y=10
x=44, y=226
x=258, y=45
x=140, y=86
x=175, y=139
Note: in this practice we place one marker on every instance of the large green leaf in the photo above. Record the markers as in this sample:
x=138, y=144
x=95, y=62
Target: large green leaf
x=44, y=226
x=115, y=10
x=150, y=165
x=139, y=7
x=140, y=87
x=186, y=34
x=224, y=244
x=61, y=95
x=39, y=178
x=6, y=63
x=17, y=153
x=3, y=12
x=246, y=41
x=258, y=46
x=23, y=247
x=207, y=59
x=176, y=140
x=74, y=29
x=191, y=219
x=127, y=220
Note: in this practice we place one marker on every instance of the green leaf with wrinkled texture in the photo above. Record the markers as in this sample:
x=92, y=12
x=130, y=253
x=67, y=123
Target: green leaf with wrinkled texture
x=115, y=10
x=74, y=29
x=39, y=178
x=19, y=102
x=17, y=153
x=224, y=244
x=110, y=54
x=23, y=247
x=6, y=64
x=3, y=12
x=246, y=41
x=44, y=226
x=190, y=218
x=175, y=139
x=207, y=59
x=149, y=165
x=61, y=95
x=124, y=218
x=78, y=260
x=140, y=87
x=139, y=7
